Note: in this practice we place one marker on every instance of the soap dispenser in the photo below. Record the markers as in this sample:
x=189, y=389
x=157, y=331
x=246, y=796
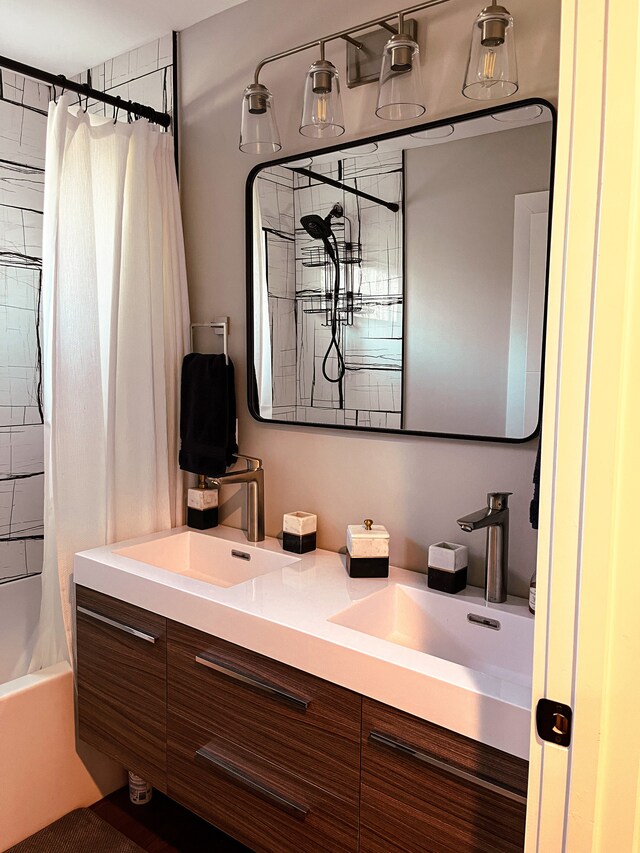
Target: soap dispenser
x=367, y=550
x=202, y=506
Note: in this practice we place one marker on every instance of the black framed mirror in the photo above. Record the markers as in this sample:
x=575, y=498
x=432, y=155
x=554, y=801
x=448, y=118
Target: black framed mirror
x=398, y=283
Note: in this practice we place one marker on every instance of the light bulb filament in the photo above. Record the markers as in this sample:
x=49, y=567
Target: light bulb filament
x=320, y=111
x=488, y=65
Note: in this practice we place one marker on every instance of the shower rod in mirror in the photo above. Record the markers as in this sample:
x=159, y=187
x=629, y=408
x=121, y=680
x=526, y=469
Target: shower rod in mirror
x=491, y=74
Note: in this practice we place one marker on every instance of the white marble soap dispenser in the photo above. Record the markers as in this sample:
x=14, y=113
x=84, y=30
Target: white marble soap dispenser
x=202, y=508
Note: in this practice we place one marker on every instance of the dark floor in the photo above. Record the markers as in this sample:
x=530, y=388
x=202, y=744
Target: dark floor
x=162, y=826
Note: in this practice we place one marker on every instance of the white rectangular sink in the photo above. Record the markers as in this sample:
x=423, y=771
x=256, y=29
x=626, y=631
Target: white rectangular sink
x=485, y=639
x=206, y=558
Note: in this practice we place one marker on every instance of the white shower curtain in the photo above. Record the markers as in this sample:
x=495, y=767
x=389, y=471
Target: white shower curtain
x=115, y=326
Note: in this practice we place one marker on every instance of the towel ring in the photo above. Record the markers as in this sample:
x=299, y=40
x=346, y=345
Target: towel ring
x=224, y=325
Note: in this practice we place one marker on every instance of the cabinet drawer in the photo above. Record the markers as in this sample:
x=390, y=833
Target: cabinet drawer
x=428, y=790
x=307, y=726
x=261, y=805
x=121, y=676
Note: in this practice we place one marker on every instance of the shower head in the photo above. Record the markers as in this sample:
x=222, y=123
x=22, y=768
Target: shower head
x=319, y=228
x=316, y=226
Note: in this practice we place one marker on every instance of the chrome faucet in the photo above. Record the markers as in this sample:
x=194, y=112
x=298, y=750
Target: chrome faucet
x=253, y=477
x=495, y=517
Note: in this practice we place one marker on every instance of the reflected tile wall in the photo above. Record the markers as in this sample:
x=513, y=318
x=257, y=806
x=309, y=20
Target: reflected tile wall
x=299, y=275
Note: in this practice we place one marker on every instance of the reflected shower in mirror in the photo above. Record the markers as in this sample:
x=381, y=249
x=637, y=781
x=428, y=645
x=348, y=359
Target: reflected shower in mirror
x=399, y=284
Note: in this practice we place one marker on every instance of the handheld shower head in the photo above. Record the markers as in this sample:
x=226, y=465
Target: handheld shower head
x=316, y=226
x=319, y=228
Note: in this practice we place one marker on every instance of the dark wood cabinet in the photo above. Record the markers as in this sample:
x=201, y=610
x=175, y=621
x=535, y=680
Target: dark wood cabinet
x=428, y=790
x=269, y=754
x=121, y=675
x=308, y=726
x=254, y=800
x=277, y=758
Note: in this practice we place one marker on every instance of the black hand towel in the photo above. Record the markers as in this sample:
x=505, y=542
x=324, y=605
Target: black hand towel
x=207, y=414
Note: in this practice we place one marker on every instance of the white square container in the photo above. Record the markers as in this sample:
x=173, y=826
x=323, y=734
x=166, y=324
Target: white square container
x=363, y=542
x=299, y=523
x=448, y=556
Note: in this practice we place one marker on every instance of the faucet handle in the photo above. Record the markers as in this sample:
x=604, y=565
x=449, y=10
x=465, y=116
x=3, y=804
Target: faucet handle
x=498, y=500
x=253, y=463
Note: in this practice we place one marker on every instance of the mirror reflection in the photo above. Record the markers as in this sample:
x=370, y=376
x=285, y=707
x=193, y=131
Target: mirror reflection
x=399, y=283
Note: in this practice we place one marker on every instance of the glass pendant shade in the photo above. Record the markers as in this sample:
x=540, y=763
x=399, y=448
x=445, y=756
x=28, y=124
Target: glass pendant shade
x=322, y=108
x=491, y=70
x=400, y=92
x=259, y=131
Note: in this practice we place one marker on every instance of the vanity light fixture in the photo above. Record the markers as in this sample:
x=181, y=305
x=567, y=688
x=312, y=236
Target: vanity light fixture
x=524, y=114
x=258, y=131
x=322, y=106
x=491, y=73
x=434, y=132
x=400, y=91
x=361, y=150
x=491, y=69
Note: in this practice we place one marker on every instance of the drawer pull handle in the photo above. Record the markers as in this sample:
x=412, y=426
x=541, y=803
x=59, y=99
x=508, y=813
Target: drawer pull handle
x=205, y=755
x=405, y=749
x=149, y=638
x=252, y=680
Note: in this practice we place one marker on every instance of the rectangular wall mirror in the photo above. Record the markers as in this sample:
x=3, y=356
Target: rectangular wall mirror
x=398, y=283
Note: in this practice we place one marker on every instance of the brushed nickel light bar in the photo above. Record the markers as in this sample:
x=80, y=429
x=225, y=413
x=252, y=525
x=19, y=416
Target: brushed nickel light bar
x=343, y=34
x=490, y=74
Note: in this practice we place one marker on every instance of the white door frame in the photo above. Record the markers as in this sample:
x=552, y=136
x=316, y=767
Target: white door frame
x=528, y=287
x=587, y=649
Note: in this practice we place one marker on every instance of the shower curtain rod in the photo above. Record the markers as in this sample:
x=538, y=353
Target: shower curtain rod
x=140, y=110
x=340, y=186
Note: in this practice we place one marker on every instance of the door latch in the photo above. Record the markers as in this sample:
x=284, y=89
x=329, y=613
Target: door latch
x=553, y=722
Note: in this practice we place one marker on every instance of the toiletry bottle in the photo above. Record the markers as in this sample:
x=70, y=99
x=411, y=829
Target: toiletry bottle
x=140, y=791
x=532, y=593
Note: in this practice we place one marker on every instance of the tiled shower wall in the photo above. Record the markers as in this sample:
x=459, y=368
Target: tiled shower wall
x=371, y=339
x=299, y=274
x=143, y=75
x=23, y=118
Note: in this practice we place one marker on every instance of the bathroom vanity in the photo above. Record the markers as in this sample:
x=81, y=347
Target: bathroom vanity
x=298, y=709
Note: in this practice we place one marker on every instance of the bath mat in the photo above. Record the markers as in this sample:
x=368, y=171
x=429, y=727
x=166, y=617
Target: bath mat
x=80, y=831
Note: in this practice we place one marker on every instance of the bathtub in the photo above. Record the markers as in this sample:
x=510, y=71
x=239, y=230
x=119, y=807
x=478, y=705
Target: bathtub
x=44, y=773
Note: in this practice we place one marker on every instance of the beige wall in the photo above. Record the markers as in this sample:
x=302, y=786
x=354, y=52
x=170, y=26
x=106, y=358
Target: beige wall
x=416, y=486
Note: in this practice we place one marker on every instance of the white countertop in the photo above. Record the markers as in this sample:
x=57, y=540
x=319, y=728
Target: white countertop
x=284, y=615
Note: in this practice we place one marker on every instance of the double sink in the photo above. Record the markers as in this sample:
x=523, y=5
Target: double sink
x=454, y=660
x=497, y=641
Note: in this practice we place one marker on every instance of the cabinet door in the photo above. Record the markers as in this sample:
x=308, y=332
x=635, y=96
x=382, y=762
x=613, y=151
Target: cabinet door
x=428, y=790
x=253, y=800
x=121, y=674
x=307, y=726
